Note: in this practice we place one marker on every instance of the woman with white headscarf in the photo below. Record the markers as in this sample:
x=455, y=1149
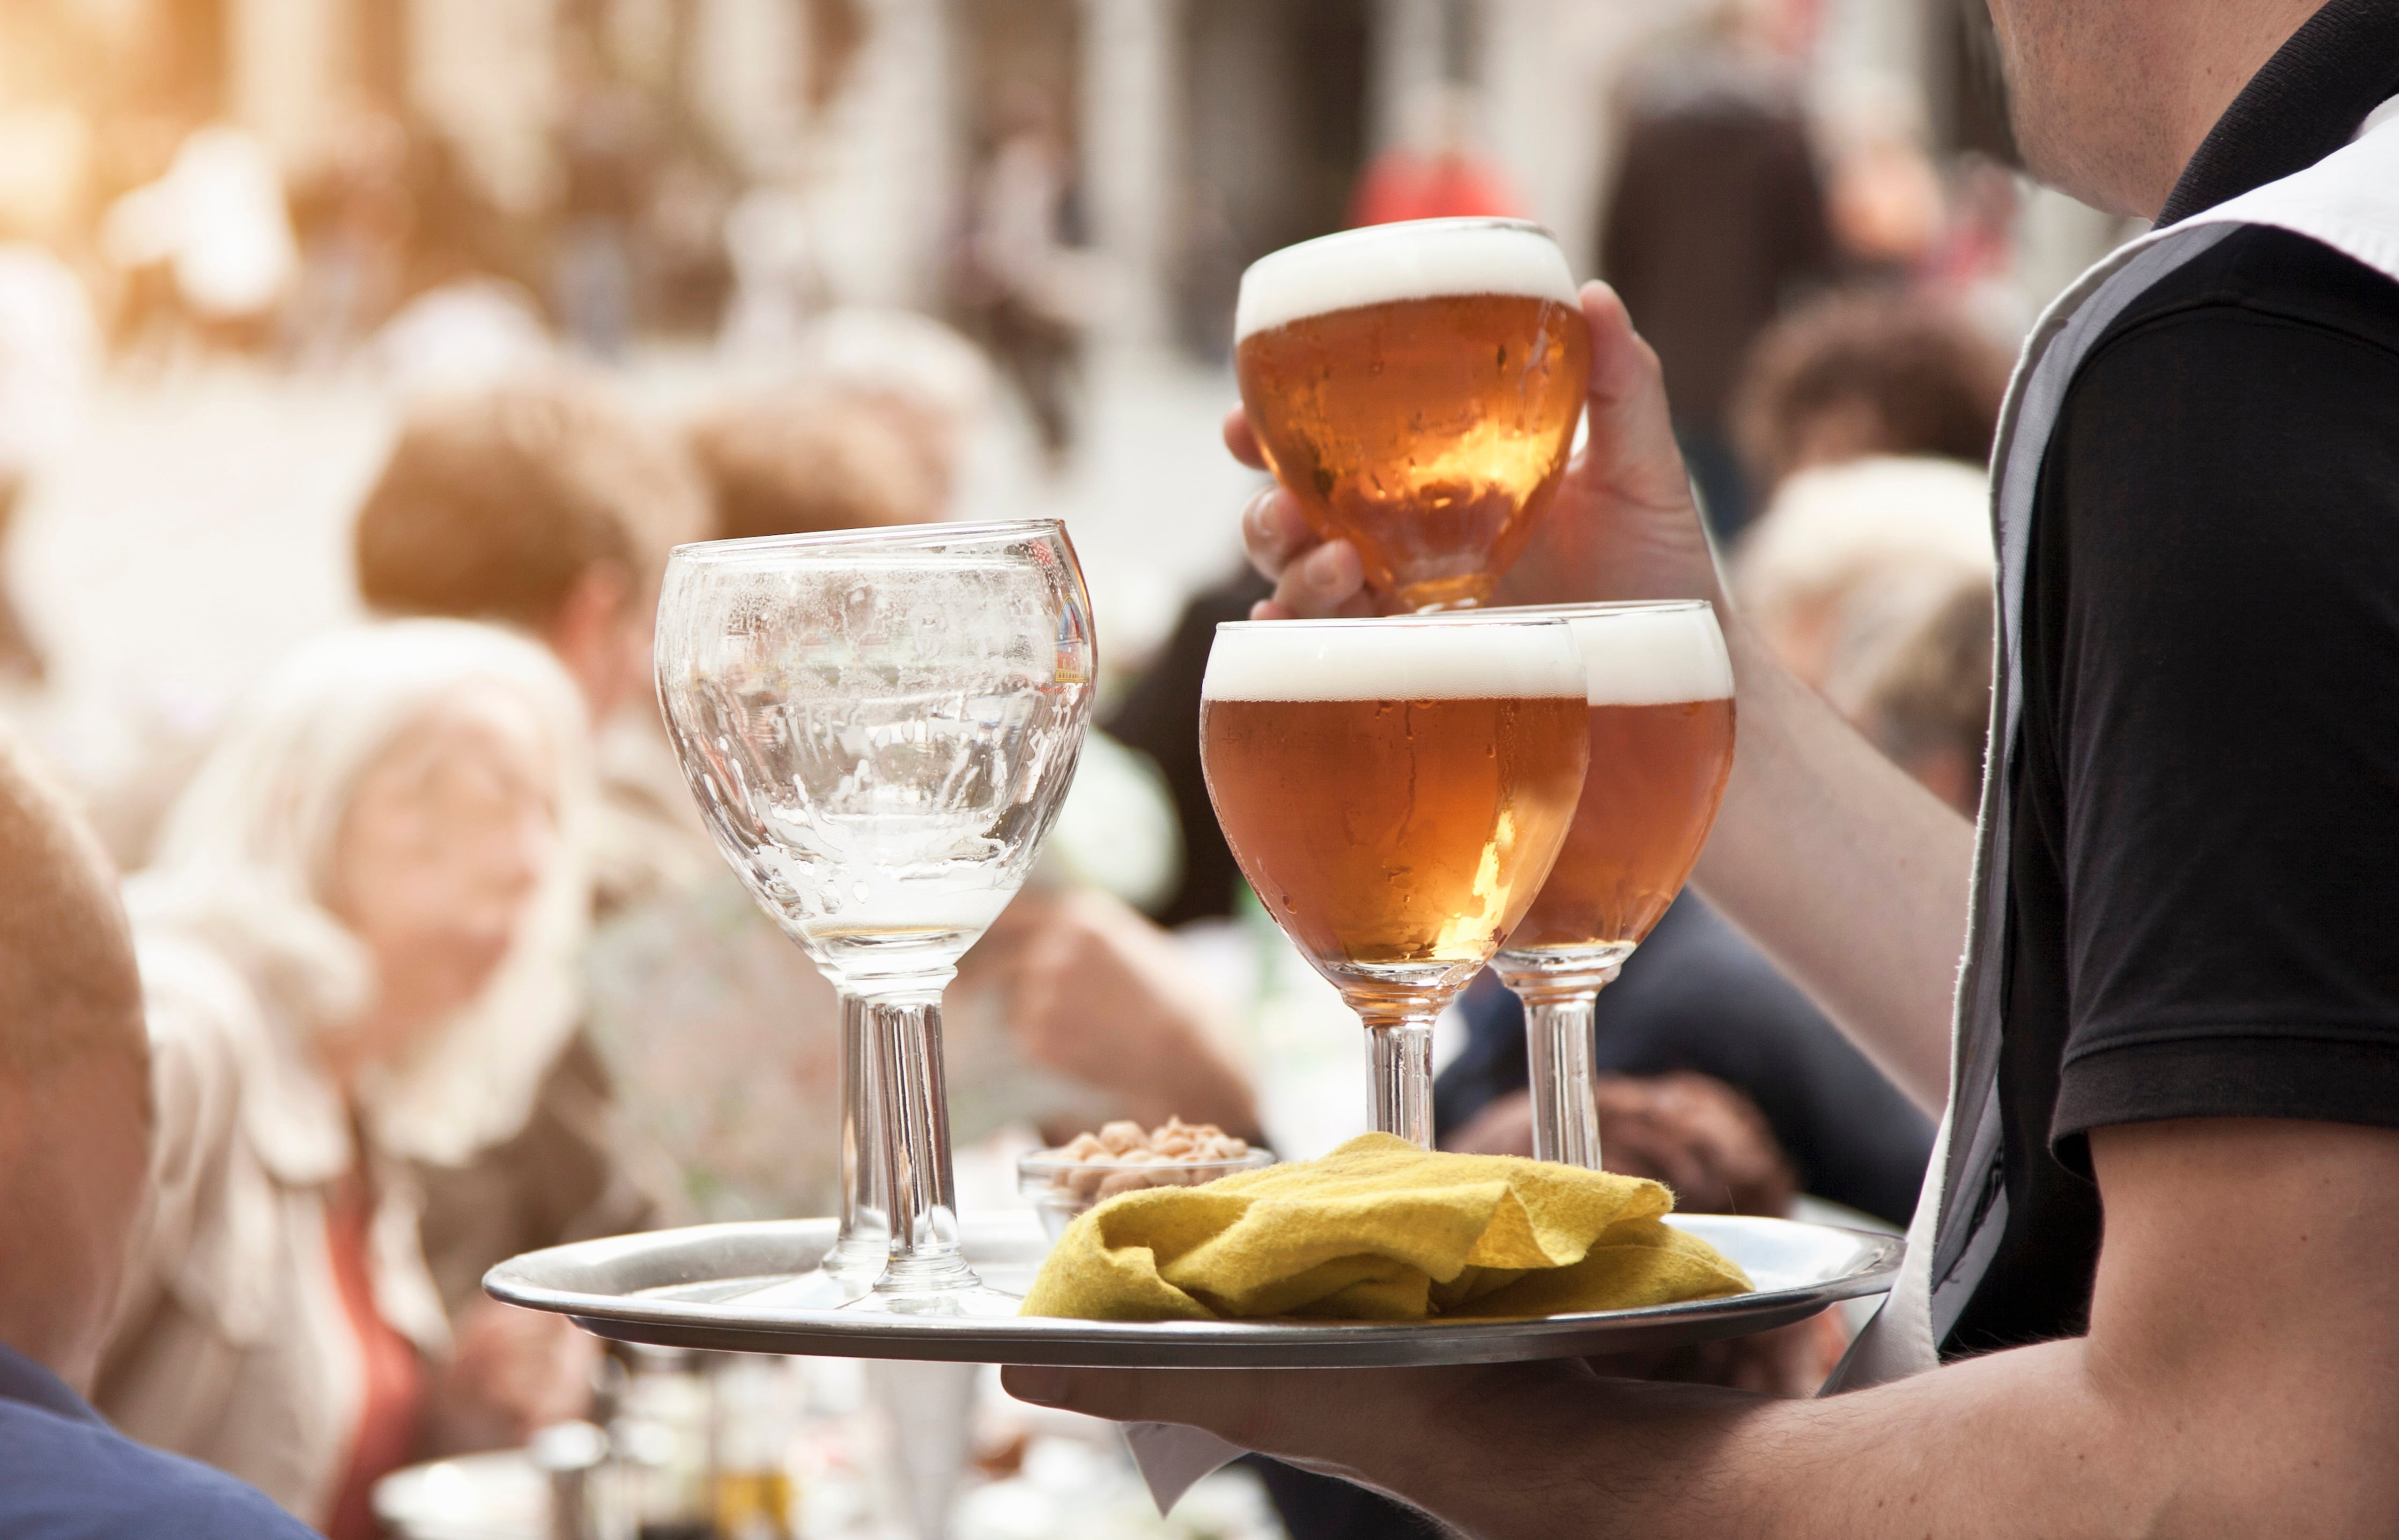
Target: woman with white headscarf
x=357, y=946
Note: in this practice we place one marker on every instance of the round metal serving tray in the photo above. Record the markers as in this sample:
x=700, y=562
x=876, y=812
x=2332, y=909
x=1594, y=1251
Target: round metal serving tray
x=682, y=1289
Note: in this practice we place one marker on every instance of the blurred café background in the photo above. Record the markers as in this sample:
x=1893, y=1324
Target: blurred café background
x=309, y=306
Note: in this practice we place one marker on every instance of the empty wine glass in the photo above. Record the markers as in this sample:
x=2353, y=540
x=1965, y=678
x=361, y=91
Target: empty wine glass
x=879, y=726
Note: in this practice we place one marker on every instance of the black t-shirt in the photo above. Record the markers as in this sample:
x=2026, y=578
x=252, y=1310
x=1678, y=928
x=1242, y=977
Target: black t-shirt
x=2205, y=865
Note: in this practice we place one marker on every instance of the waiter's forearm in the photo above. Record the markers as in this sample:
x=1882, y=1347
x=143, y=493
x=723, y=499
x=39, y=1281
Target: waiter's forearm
x=1852, y=876
x=2020, y=1443
x=2237, y=1380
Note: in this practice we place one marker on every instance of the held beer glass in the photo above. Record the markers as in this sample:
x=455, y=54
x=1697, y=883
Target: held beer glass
x=879, y=727
x=1395, y=791
x=1661, y=739
x=1417, y=386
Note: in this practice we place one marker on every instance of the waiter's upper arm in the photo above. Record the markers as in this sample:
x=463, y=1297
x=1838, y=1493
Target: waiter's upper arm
x=2229, y=708
x=2244, y=1331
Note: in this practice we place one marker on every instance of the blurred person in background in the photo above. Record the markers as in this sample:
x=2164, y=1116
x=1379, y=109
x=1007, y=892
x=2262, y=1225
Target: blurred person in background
x=606, y=150
x=1883, y=198
x=805, y=460
x=354, y=217
x=1435, y=172
x=924, y=375
x=1843, y=550
x=770, y=242
x=1715, y=219
x=473, y=333
x=76, y=1120
x=1864, y=372
x=1028, y=286
x=357, y=950
x=217, y=227
x=544, y=506
x=50, y=351
x=1923, y=696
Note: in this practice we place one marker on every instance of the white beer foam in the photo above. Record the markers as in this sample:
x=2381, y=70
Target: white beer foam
x=1421, y=258
x=1653, y=658
x=1643, y=654
x=1401, y=658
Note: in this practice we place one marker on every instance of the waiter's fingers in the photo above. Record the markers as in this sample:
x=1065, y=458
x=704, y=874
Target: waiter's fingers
x=1631, y=450
x=1274, y=531
x=1327, y=581
x=1242, y=440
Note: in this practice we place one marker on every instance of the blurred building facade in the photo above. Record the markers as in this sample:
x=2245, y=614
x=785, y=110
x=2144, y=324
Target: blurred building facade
x=1203, y=132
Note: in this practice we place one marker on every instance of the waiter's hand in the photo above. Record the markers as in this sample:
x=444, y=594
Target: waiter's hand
x=2236, y=1380
x=1625, y=525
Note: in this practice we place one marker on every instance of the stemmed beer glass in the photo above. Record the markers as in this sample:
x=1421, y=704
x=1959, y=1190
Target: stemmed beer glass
x=1396, y=792
x=879, y=727
x=1660, y=693
x=1417, y=386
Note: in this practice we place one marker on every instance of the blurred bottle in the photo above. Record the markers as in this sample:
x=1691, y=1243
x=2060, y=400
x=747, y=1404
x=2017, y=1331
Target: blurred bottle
x=756, y=1415
x=573, y=1456
x=659, y=1442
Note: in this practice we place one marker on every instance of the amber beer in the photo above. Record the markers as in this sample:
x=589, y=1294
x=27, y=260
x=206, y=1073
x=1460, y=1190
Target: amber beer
x=1417, y=386
x=1661, y=742
x=1395, y=792
x=1660, y=720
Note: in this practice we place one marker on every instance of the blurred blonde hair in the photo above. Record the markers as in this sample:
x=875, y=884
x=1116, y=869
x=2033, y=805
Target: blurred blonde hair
x=244, y=866
x=1841, y=548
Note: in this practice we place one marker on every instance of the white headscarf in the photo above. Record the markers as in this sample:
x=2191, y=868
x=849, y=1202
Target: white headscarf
x=245, y=864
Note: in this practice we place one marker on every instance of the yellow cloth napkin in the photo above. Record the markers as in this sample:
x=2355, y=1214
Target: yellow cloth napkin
x=1381, y=1231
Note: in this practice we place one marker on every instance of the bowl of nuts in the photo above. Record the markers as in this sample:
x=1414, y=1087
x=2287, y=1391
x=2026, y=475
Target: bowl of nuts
x=1124, y=1157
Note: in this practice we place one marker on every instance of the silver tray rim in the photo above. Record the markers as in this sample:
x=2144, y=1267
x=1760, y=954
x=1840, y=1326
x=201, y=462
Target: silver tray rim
x=560, y=1279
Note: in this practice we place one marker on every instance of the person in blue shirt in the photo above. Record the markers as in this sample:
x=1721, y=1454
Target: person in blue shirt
x=74, y=1153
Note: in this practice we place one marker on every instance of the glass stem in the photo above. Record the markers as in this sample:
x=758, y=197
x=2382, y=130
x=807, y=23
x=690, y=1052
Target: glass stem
x=1399, y=1053
x=904, y=1027
x=1558, y=1054
x=865, y=1236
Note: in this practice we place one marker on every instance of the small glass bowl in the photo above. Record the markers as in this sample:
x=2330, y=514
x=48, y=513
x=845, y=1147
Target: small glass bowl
x=1060, y=1187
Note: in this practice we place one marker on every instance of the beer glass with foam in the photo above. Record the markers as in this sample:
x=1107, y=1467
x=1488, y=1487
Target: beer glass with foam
x=1660, y=723
x=1417, y=386
x=879, y=726
x=1395, y=791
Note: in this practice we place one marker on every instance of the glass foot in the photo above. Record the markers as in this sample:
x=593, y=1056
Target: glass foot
x=817, y=1289
x=975, y=1300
